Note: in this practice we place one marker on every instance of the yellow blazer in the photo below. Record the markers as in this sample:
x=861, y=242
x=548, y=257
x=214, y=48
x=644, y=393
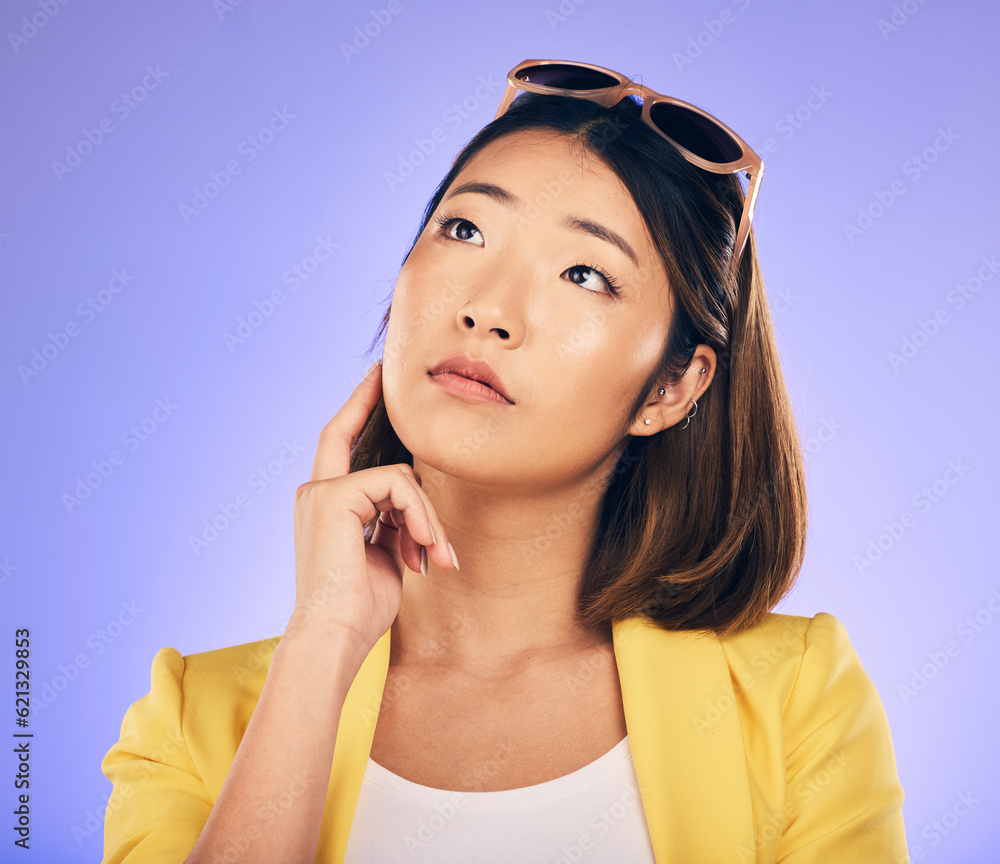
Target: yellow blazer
x=769, y=746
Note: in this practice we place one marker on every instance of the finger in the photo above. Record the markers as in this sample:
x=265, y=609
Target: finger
x=412, y=534
x=397, y=541
x=386, y=537
x=333, y=453
x=437, y=551
x=437, y=526
x=410, y=549
x=386, y=488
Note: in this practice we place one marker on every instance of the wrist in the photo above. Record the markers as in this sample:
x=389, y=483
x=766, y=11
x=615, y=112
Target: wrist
x=336, y=652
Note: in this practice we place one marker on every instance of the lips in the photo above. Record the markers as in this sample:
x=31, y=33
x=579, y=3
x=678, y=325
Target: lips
x=475, y=370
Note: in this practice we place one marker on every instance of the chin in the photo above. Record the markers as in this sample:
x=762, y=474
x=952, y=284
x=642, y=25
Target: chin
x=454, y=443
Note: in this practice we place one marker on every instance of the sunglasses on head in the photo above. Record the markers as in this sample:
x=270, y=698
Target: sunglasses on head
x=701, y=138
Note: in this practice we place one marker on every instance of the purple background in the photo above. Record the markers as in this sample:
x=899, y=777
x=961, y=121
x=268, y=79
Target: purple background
x=878, y=430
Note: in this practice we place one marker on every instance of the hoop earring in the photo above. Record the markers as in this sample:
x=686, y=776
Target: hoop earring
x=689, y=415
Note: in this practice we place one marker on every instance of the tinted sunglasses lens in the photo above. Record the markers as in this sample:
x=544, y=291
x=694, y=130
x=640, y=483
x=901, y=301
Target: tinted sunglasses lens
x=695, y=133
x=566, y=77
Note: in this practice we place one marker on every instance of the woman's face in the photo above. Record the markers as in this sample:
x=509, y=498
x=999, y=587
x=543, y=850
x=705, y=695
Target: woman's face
x=514, y=278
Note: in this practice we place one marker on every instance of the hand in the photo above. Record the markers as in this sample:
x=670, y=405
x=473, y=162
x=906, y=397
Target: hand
x=346, y=588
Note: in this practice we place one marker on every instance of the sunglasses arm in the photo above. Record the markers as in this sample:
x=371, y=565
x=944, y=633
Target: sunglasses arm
x=747, y=218
x=508, y=97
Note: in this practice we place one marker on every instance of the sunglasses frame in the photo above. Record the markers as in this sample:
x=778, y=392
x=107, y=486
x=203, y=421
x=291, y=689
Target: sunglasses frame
x=748, y=161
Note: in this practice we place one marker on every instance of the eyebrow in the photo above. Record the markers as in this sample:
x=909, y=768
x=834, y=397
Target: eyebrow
x=509, y=199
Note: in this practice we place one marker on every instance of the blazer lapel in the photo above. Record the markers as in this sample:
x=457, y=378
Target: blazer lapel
x=352, y=749
x=687, y=743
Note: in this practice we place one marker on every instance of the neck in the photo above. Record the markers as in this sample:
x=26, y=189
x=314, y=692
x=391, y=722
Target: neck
x=515, y=599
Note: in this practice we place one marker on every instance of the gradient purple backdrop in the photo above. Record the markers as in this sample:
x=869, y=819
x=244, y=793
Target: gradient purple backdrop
x=877, y=228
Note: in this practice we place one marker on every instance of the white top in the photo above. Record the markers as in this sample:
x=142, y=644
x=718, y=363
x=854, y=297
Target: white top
x=593, y=815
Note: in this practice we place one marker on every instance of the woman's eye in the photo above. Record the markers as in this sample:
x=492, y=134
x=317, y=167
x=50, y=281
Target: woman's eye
x=463, y=228
x=581, y=274
x=591, y=277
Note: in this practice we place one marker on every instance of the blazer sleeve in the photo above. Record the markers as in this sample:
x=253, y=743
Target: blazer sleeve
x=843, y=797
x=159, y=803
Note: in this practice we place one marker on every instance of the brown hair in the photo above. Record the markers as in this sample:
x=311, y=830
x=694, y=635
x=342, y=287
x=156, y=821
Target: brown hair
x=702, y=527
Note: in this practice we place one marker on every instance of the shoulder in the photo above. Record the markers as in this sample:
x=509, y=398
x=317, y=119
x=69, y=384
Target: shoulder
x=779, y=670
x=202, y=703
x=794, y=659
x=804, y=693
x=176, y=746
x=793, y=652
x=777, y=644
x=209, y=691
x=239, y=669
x=235, y=670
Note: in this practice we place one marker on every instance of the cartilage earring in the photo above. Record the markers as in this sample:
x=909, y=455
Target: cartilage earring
x=662, y=392
x=688, y=416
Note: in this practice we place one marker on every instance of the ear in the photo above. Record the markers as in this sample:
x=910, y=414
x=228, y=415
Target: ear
x=669, y=408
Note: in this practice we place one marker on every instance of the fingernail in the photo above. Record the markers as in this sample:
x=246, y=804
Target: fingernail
x=371, y=369
x=423, y=560
x=454, y=558
x=434, y=538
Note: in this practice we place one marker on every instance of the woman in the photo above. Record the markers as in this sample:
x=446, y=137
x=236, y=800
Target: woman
x=581, y=402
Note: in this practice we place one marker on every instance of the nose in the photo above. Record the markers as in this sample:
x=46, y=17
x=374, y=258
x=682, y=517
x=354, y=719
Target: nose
x=493, y=313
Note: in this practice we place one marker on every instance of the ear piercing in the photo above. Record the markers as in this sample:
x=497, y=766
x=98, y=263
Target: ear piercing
x=687, y=417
